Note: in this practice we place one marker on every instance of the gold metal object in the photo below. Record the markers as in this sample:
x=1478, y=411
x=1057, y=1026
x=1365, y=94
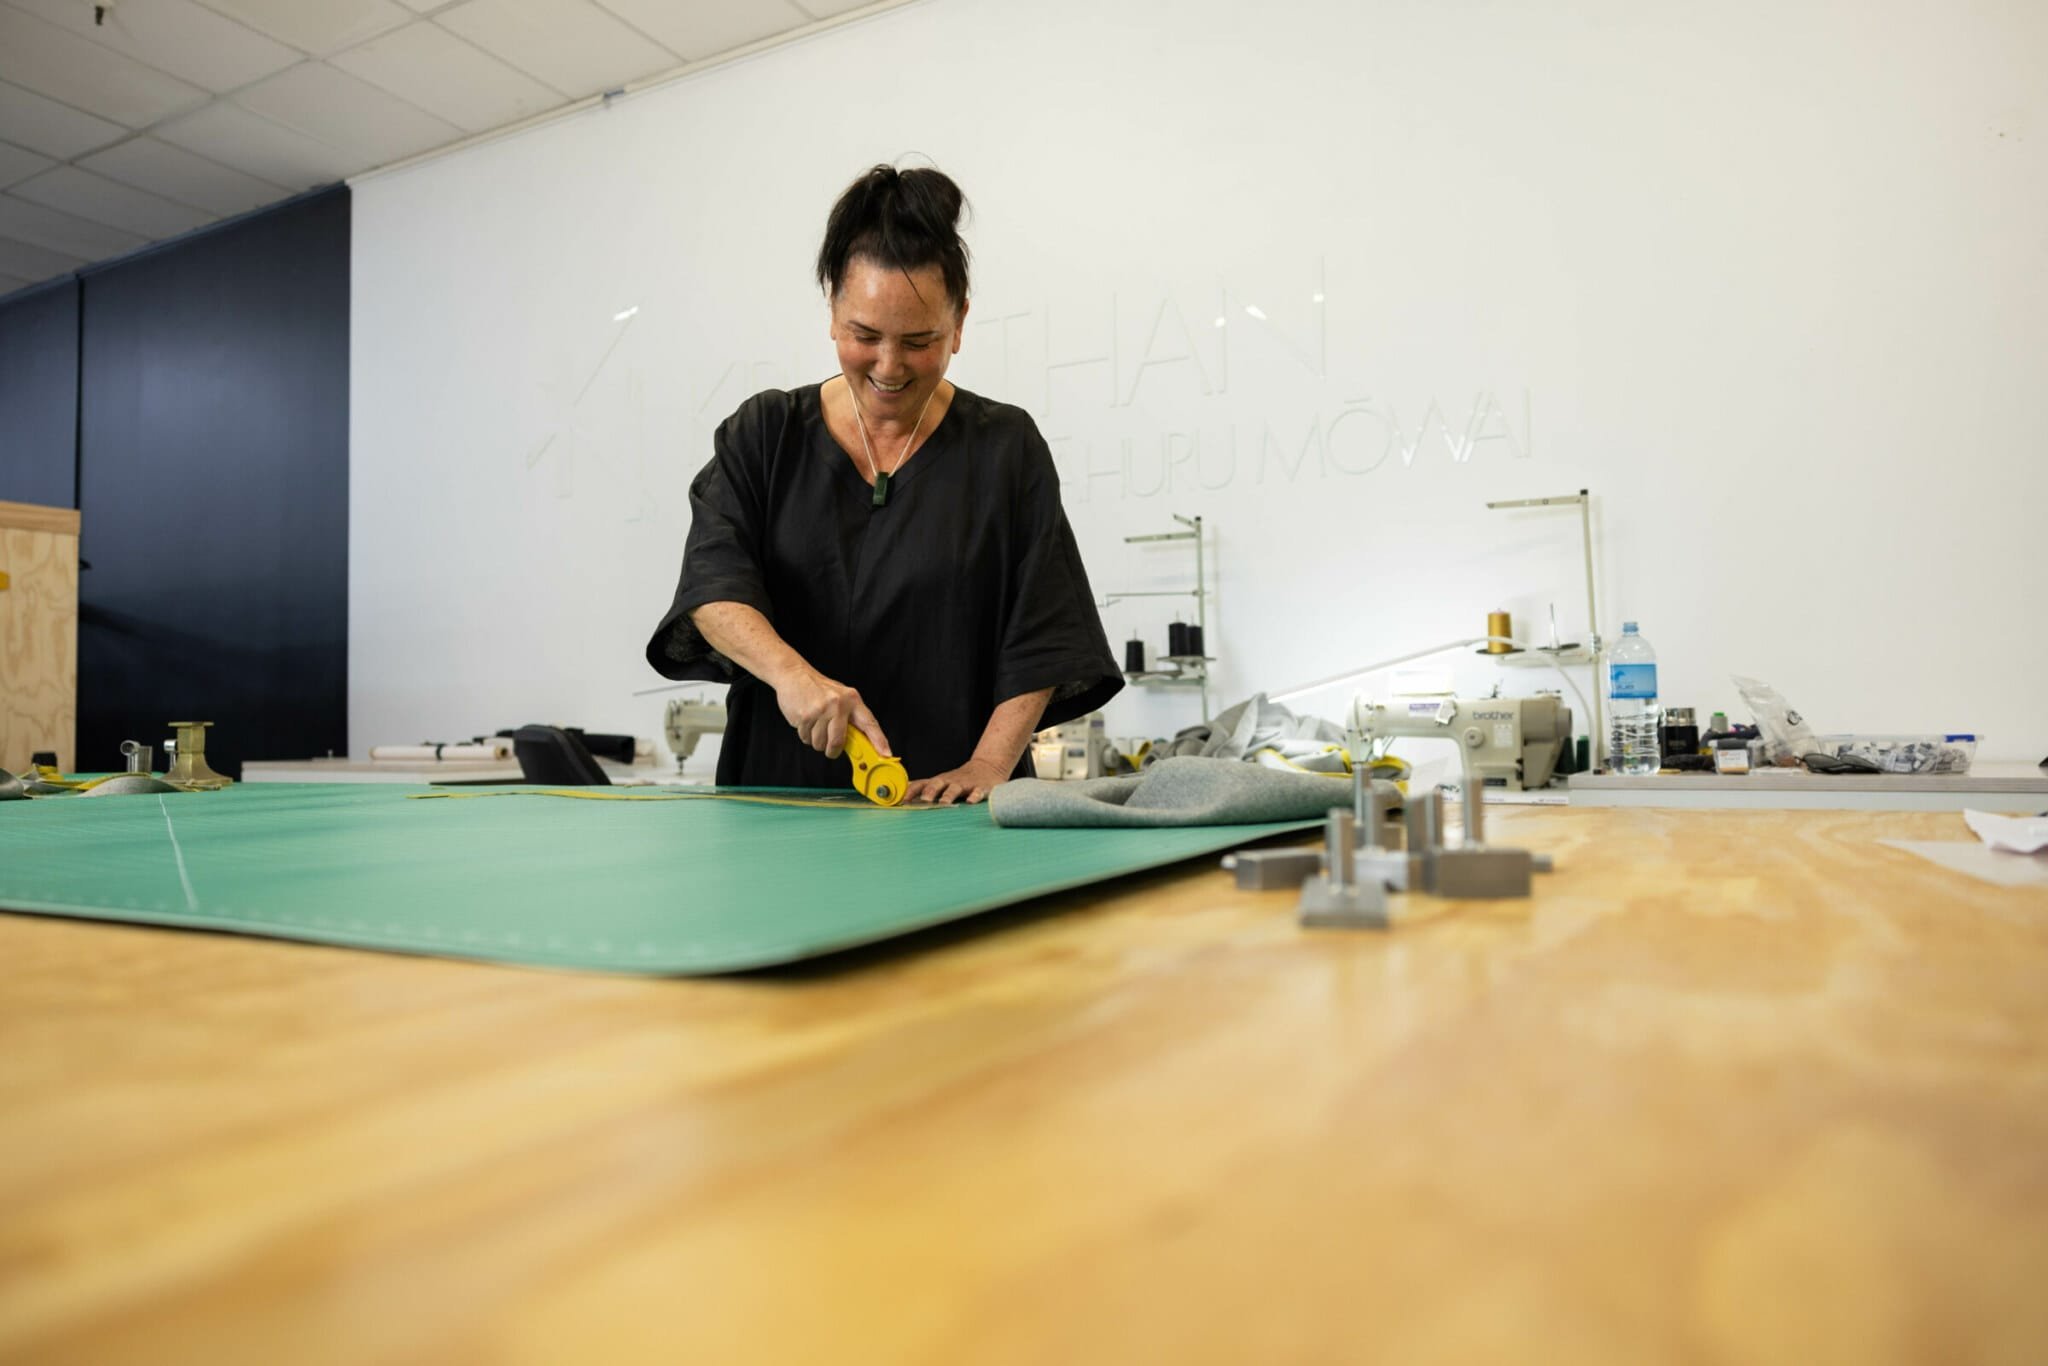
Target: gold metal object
x=189, y=769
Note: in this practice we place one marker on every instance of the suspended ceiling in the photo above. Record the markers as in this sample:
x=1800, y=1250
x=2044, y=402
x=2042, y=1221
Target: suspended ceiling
x=129, y=122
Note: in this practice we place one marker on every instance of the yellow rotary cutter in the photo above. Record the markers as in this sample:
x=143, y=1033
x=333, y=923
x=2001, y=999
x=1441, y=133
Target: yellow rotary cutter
x=877, y=776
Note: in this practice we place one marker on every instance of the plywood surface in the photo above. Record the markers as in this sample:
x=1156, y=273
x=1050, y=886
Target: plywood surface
x=1735, y=1087
x=36, y=517
x=38, y=637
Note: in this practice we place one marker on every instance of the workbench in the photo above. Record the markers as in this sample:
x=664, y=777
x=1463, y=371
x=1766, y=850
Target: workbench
x=2008, y=786
x=1733, y=1086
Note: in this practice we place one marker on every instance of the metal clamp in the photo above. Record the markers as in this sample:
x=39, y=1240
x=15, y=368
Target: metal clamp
x=1337, y=898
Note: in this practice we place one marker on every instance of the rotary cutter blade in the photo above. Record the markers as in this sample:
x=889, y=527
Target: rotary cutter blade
x=877, y=776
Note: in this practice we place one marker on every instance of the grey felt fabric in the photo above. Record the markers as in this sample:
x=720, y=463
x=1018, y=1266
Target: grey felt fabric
x=1252, y=725
x=1179, y=791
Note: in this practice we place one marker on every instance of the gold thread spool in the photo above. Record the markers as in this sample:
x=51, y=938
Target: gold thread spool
x=1499, y=624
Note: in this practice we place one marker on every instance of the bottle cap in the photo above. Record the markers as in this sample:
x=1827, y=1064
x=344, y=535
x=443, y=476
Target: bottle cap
x=1628, y=628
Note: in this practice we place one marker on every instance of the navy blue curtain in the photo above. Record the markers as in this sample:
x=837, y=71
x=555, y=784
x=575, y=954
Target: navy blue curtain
x=213, y=489
x=39, y=395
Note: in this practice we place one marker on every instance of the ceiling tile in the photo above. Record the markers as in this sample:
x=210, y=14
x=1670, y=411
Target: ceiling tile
x=81, y=73
x=316, y=26
x=367, y=123
x=178, y=175
x=103, y=201
x=825, y=9
x=695, y=29
x=573, y=45
x=32, y=263
x=51, y=128
x=444, y=75
x=10, y=283
x=54, y=231
x=18, y=163
x=232, y=136
x=177, y=36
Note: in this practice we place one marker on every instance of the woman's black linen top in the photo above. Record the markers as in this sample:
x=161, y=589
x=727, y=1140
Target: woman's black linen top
x=965, y=589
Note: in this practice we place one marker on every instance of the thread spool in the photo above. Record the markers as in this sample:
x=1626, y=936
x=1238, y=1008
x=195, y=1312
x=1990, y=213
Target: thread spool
x=1499, y=624
x=1195, y=640
x=1134, y=656
x=1177, y=639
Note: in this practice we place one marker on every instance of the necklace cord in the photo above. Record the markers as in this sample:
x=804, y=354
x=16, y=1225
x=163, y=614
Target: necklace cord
x=874, y=469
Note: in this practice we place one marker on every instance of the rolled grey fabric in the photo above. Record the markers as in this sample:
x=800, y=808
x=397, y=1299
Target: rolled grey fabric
x=1179, y=791
x=1252, y=725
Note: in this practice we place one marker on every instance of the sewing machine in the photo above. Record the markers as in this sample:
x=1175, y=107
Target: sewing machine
x=1073, y=750
x=687, y=720
x=1505, y=742
x=1509, y=742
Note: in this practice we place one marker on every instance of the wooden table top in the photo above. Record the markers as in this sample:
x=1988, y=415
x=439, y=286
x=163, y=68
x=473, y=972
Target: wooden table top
x=1733, y=1087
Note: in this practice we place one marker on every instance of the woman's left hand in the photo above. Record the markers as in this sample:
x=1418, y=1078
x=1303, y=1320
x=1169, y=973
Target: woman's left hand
x=969, y=783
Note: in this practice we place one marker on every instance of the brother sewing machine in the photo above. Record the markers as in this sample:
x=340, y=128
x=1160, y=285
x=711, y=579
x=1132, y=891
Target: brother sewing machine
x=1510, y=742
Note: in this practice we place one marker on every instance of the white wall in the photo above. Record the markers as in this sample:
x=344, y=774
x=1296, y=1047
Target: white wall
x=1768, y=278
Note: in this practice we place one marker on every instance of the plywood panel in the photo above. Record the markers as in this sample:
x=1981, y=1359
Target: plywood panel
x=38, y=635
x=36, y=517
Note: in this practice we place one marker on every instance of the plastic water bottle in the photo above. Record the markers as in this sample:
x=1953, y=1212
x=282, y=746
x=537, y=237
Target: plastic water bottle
x=1632, y=711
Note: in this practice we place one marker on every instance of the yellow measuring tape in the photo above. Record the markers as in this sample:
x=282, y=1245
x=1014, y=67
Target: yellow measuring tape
x=878, y=779
x=848, y=801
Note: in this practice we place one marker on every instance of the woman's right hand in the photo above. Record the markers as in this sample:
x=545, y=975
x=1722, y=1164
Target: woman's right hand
x=822, y=708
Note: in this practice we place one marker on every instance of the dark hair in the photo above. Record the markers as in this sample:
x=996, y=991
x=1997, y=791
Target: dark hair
x=901, y=220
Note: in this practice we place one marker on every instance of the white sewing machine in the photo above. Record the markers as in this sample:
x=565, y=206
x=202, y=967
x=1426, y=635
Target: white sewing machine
x=689, y=719
x=1506, y=742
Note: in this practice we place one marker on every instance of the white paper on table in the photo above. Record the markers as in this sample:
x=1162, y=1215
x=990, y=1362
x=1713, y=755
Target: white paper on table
x=2014, y=834
x=1995, y=866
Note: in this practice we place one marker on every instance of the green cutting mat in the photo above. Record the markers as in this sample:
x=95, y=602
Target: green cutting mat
x=629, y=886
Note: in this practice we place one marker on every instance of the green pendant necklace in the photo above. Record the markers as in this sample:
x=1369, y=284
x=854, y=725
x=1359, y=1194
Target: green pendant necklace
x=875, y=471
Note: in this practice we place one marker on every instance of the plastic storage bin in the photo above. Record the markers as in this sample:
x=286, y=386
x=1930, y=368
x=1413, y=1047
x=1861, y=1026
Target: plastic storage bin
x=1906, y=753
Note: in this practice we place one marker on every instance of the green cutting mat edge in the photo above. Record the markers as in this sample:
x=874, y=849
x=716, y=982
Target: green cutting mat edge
x=657, y=888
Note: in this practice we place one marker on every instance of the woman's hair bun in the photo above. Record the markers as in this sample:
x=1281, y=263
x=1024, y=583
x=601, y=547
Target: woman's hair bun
x=902, y=220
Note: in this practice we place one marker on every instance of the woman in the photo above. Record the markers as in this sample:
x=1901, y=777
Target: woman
x=885, y=550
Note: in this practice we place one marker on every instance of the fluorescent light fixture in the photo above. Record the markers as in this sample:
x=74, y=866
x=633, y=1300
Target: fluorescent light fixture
x=1256, y=311
x=621, y=317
